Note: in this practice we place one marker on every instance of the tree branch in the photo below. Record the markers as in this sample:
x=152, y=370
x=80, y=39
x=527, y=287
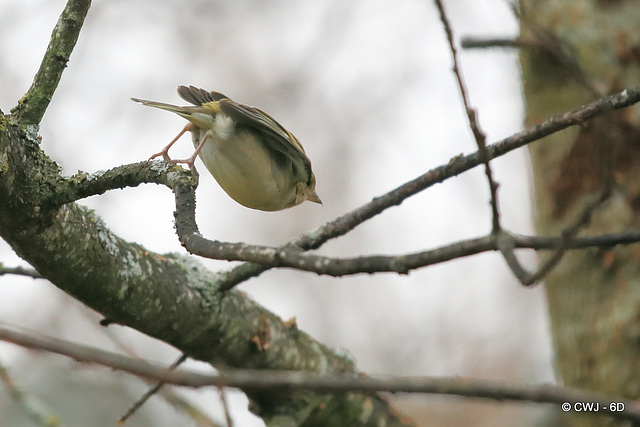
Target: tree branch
x=35, y=409
x=472, y=117
x=170, y=297
x=33, y=105
x=20, y=271
x=292, y=255
x=287, y=381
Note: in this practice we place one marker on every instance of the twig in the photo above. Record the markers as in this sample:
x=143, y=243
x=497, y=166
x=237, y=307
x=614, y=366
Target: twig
x=288, y=381
x=34, y=408
x=177, y=401
x=225, y=406
x=153, y=390
x=480, y=137
x=20, y=271
x=568, y=234
x=506, y=244
x=478, y=43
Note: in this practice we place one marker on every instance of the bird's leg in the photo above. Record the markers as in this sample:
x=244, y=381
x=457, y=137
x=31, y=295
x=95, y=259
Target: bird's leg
x=191, y=160
x=165, y=151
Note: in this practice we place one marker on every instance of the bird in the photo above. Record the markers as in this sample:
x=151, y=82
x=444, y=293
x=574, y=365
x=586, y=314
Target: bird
x=255, y=160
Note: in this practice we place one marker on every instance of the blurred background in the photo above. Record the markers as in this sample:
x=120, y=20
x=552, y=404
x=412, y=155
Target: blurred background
x=367, y=87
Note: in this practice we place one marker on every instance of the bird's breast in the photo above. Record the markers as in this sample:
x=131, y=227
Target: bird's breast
x=244, y=169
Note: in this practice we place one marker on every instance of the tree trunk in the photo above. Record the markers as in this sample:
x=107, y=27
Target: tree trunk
x=581, y=49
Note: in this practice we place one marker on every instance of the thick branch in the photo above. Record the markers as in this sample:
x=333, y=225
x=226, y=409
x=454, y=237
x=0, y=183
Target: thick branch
x=170, y=297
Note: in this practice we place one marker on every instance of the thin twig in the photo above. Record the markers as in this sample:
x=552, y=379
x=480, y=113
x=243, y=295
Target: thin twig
x=177, y=401
x=34, y=409
x=479, y=135
x=479, y=43
x=153, y=390
x=20, y=271
x=506, y=244
x=225, y=406
x=567, y=235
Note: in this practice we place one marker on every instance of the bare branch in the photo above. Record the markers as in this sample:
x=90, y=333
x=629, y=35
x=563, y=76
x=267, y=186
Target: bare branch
x=170, y=297
x=169, y=395
x=33, y=105
x=543, y=42
x=34, y=408
x=225, y=406
x=294, y=258
x=479, y=135
x=292, y=254
x=20, y=271
x=153, y=390
x=287, y=380
x=480, y=43
x=84, y=185
x=506, y=244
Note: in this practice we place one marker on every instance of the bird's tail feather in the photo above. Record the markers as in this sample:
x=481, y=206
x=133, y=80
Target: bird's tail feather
x=169, y=107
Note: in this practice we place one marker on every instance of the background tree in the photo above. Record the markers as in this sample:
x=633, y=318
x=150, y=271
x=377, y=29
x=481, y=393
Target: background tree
x=583, y=50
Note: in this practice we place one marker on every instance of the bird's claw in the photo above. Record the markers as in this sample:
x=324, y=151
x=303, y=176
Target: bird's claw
x=164, y=154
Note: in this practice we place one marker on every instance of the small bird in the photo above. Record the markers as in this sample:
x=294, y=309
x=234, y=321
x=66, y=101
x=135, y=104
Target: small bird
x=256, y=161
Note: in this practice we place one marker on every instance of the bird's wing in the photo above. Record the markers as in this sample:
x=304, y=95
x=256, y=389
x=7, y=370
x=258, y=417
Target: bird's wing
x=198, y=96
x=279, y=141
x=253, y=117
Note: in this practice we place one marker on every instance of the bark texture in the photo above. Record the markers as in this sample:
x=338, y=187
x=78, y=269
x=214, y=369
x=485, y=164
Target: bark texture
x=583, y=48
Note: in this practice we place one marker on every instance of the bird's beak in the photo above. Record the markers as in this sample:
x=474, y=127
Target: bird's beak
x=313, y=197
